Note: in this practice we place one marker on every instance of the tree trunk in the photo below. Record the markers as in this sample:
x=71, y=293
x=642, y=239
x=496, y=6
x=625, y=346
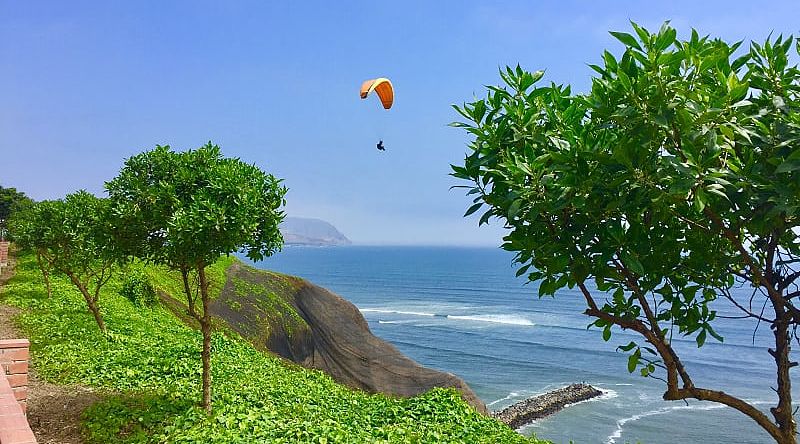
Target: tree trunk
x=93, y=307
x=45, y=274
x=205, y=327
x=783, y=413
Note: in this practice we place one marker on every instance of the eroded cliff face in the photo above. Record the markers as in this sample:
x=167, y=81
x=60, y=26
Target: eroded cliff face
x=316, y=328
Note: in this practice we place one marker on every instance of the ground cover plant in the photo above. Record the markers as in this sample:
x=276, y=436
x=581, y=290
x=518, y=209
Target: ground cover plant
x=147, y=366
x=673, y=181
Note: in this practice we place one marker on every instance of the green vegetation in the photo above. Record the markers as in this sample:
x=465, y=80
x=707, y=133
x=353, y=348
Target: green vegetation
x=137, y=288
x=186, y=209
x=32, y=234
x=674, y=180
x=11, y=201
x=147, y=366
x=170, y=281
x=270, y=305
x=71, y=236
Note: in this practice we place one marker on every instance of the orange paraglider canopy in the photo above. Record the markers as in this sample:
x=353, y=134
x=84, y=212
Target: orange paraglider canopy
x=383, y=87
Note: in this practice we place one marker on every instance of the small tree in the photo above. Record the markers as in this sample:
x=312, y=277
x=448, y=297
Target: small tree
x=71, y=236
x=11, y=200
x=674, y=179
x=30, y=228
x=184, y=210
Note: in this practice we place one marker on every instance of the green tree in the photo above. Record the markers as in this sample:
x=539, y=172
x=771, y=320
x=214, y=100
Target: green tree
x=10, y=201
x=29, y=228
x=186, y=209
x=71, y=236
x=675, y=178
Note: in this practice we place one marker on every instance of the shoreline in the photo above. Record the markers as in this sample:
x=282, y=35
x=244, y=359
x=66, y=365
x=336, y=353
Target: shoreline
x=528, y=410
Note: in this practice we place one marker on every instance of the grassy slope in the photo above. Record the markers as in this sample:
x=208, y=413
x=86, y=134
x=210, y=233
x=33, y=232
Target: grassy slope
x=150, y=365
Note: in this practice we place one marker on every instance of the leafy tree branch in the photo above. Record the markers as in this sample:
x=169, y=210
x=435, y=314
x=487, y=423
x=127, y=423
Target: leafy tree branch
x=671, y=186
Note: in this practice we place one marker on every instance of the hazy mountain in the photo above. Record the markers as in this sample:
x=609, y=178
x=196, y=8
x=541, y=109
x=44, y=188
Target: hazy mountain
x=305, y=231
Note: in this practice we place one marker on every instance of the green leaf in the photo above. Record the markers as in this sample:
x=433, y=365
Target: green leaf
x=626, y=39
x=632, y=263
x=788, y=166
x=485, y=217
x=522, y=270
x=478, y=111
x=633, y=360
x=610, y=61
x=718, y=190
x=666, y=38
x=473, y=209
x=598, y=69
x=513, y=209
x=701, y=338
x=699, y=200
x=624, y=79
x=715, y=334
x=641, y=32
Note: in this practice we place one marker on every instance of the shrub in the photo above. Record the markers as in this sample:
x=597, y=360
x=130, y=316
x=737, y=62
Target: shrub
x=137, y=288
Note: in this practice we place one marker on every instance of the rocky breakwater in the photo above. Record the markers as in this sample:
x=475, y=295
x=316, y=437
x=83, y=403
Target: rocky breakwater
x=524, y=412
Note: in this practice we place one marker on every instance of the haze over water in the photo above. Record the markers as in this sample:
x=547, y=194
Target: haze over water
x=462, y=310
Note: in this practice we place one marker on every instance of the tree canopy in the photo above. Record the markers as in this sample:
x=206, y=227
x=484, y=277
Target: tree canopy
x=185, y=209
x=10, y=201
x=675, y=178
x=73, y=237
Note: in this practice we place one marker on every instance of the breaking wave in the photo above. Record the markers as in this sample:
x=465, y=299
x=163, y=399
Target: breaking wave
x=612, y=439
x=508, y=319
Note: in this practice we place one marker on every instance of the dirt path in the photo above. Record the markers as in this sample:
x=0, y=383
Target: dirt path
x=53, y=410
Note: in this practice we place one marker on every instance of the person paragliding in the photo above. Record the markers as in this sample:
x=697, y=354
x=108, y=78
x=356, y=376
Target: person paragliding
x=385, y=91
x=383, y=87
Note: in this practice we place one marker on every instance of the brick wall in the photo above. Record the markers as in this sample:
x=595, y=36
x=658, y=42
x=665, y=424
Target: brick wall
x=4, y=253
x=14, y=428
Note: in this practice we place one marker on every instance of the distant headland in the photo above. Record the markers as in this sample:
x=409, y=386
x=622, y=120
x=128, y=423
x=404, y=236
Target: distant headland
x=315, y=232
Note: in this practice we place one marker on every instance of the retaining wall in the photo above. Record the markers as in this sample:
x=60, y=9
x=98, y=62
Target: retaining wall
x=14, y=428
x=3, y=255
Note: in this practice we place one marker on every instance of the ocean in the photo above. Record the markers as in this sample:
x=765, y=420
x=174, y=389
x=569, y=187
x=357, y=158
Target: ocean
x=462, y=310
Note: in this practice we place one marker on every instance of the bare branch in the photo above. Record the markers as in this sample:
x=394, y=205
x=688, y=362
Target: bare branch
x=729, y=400
x=748, y=313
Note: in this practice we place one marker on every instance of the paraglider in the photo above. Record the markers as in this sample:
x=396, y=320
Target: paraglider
x=383, y=87
x=385, y=91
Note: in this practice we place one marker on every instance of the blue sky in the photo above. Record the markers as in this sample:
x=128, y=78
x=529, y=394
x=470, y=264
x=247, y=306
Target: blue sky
x=84, y=85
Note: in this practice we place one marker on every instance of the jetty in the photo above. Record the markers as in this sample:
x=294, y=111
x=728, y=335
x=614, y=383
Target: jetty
x=528, y=410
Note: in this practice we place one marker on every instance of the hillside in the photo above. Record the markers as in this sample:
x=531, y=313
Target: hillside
x=305, y=231
x=149, y=367
x=318, y=329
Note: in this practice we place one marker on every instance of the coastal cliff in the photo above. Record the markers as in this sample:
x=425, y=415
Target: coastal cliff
x=318, y=329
